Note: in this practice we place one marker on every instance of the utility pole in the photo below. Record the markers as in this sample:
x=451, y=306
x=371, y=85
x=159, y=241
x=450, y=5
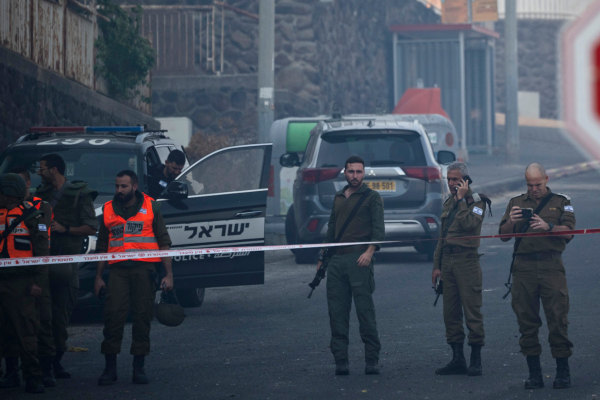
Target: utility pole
x=512, y=83
x=266, y=67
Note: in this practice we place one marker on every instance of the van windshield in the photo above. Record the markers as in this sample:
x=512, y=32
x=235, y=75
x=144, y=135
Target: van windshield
x=403, y=149
x=97, y=167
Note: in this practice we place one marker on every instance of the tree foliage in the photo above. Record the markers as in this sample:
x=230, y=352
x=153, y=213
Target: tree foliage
x=125, y=57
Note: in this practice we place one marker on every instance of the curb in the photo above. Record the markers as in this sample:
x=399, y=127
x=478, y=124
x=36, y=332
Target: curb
x=507, y=185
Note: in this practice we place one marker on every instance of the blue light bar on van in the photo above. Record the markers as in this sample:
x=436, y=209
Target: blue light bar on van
x=90, y=129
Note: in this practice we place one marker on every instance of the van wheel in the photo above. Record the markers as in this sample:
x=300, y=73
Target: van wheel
x=291, y=232
x=307, y=256
x=191, y=298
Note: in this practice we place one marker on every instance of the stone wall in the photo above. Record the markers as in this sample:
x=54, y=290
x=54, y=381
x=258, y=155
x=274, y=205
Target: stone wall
x=325, y=52
x=30, y=96
x=538, y=63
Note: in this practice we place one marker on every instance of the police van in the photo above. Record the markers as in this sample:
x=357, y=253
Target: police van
x=219, y=201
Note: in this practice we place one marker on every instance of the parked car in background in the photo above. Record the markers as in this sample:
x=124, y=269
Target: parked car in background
x=290, y=135
x=399, y=164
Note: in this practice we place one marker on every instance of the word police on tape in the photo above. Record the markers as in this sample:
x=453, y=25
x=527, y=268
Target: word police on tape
x=52, y=260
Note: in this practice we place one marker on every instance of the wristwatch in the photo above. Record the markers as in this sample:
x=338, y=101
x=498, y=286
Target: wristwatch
x=550, y=226
x=67, y=229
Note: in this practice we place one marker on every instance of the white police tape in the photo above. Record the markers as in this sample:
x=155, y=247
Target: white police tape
x=53, y=260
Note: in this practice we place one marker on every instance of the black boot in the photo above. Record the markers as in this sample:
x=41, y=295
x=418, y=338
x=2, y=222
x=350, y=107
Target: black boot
x=109, y=376
x=475, y=365
x=11, y=377
x=535, y=381
x=341, y=367
x=59, y=371
x=34, y=385
x=458, y=364
x=563, y=374
x=372, y=367
x=139, y=375
x=47, y=376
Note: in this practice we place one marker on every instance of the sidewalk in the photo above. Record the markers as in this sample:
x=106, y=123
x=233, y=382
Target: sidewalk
x=547, y=146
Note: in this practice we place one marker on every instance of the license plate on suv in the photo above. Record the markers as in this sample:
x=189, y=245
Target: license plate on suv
x=382, y=186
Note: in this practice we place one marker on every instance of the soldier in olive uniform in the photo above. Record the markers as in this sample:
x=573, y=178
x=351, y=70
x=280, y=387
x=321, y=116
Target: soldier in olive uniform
x=132, y=222
x=74, y=218
x=456, y=262
x=539, y=273
x=46, y=347
x=18, y=285
x=351, y=269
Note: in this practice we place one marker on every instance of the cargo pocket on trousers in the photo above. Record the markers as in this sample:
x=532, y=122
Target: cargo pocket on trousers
x=476, y=294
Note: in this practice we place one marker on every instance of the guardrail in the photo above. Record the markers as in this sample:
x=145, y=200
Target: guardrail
x=59, y=35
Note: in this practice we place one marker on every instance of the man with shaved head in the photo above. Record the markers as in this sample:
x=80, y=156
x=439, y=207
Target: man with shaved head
x=539, y=274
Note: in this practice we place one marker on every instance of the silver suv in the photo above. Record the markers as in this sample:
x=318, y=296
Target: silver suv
x=399, y=164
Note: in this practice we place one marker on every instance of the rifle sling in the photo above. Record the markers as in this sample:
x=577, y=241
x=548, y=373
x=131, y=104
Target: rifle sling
x=524, y=229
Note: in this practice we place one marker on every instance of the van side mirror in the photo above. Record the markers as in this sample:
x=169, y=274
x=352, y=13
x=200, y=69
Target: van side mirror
x=445, y=157
x=176, y=191
x=289, y=160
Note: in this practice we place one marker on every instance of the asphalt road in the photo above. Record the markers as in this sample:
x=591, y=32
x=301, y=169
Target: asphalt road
x=271, y=342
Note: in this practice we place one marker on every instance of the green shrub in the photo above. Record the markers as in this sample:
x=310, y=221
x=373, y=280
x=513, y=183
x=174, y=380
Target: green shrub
x=125, y=57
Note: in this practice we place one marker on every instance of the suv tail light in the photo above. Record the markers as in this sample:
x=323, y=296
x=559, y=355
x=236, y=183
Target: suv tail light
x=312, y=225
x=429, y=174
x=312, y=176
x=431, y=222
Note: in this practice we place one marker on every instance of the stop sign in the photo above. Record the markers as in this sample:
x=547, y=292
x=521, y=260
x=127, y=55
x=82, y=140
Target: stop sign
x=581, y=79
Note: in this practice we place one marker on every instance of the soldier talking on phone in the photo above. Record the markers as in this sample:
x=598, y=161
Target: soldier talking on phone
x=539, y=273
x=456, y=263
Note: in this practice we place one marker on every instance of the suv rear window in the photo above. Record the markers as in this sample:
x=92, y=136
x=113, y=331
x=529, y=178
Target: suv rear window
x=403, y=148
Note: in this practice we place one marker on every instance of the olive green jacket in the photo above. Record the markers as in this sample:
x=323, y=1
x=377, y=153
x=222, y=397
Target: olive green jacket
x=467, y=222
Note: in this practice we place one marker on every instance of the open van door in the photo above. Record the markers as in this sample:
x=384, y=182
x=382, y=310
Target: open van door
x=224, y=206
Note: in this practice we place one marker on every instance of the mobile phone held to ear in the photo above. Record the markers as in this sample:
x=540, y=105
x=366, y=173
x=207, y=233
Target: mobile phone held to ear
x=526, y=213
x=468, y=179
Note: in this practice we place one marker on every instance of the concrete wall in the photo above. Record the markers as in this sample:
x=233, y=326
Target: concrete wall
x=31, y=95
x=538, y=63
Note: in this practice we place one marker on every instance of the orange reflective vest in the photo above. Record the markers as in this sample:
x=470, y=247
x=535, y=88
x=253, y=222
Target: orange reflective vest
x=132, y=235
x=18, y=241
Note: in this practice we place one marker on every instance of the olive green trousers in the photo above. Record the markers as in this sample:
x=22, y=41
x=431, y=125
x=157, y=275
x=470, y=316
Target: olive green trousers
x=129, y=288
x=546, y=281
x=347, y=281
x=461, y=274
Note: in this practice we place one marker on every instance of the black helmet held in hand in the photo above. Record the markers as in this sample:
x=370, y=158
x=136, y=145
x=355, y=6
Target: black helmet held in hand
x=168, y=311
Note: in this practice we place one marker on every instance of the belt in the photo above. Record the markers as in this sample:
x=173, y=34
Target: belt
x=538, y=256
x=459, y=249
x=351, y=249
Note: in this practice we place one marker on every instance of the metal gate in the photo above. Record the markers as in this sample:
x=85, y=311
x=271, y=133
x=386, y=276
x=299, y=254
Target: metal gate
x=459, y=60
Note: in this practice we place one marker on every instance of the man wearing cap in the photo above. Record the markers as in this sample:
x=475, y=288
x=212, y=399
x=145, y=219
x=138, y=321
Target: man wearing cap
x=131, y=222
x=74, y=218
x=22, y=234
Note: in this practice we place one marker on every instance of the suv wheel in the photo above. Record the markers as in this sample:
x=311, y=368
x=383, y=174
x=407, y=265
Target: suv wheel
x=191, y=298
x=307, y=256
x=427, y=248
